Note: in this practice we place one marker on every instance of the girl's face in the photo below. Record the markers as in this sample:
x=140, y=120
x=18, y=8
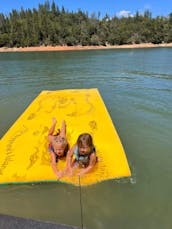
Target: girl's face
x=59, y=149
x=84, y=149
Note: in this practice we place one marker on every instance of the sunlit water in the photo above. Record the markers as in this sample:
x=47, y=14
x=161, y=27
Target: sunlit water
x=136, y=85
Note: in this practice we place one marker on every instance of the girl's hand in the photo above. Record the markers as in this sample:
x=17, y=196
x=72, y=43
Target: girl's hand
x=70, y=172
x=81, y=173
x=60, y=174
x=54, y=121
x=63, y=122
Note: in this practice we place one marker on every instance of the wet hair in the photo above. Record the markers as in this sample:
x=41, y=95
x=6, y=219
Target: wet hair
x=85, y=139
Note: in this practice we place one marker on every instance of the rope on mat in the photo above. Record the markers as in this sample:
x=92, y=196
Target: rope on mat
x=80, y=198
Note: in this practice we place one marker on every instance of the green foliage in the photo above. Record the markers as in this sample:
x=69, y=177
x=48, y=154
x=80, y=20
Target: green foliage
x=49, y=25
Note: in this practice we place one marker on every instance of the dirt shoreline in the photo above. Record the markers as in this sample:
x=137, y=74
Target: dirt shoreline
x=68, y=48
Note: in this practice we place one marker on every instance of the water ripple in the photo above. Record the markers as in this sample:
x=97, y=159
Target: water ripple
x=152, y=74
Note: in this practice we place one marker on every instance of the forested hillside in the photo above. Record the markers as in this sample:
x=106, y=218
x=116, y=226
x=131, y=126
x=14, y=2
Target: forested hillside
x=49, y=25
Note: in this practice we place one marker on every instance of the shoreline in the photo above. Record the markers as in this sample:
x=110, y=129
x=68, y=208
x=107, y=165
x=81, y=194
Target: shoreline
x=73, y=48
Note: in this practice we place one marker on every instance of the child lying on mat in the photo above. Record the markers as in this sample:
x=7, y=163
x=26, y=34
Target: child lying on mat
x=58, y=146
x=85, y=155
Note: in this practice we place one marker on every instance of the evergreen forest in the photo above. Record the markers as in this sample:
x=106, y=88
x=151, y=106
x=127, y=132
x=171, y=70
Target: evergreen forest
x=50, y=25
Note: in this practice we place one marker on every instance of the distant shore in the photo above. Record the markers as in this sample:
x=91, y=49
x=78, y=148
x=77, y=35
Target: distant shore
x=68, y=48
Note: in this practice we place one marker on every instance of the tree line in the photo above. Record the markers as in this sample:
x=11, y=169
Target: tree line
x=50, y=25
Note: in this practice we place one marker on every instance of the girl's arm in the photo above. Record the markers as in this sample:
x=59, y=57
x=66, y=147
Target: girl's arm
x=58, y=173
x=51, y=130
x=69, y=158
x=92, y=163
x=63, y=129
x=68, y=169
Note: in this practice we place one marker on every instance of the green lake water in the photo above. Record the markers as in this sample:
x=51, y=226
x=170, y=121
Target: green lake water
x=136, y=86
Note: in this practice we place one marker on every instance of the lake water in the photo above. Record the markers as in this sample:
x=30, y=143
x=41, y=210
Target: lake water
x=136, y=85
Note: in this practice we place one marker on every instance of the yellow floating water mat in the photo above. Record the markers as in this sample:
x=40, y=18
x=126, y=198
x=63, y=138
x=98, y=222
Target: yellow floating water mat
x=24, y=155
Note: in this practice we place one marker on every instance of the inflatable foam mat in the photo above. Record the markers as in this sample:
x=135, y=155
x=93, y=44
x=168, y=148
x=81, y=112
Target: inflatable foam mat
x=24, y=156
